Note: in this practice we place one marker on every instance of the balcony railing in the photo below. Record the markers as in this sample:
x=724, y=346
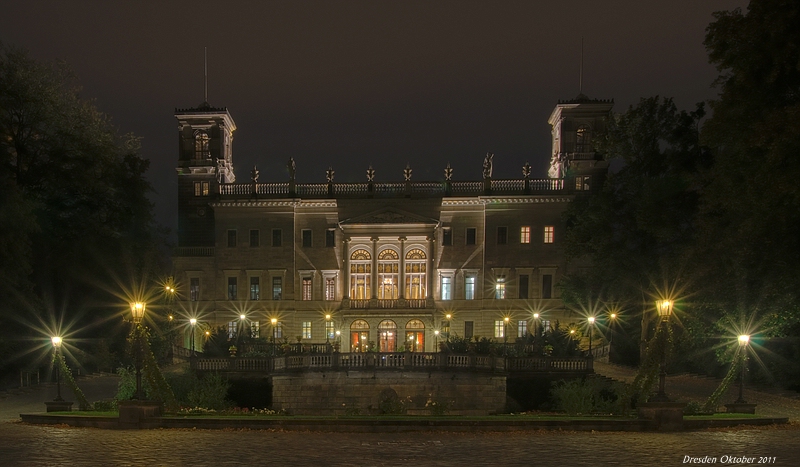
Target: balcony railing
x=395, y=360
x=384, y=303
x=194, y=251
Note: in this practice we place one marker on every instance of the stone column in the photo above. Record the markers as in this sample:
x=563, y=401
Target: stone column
x=374, y=288
x=402, y=275
x=429, y=268
x=346, y=263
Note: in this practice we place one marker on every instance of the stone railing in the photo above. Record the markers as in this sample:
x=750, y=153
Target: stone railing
x=420, y=361
x=382, y=303
x=393, y=189
x=194, y=251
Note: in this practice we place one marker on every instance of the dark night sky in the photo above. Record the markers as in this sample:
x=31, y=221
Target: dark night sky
x=349, y=84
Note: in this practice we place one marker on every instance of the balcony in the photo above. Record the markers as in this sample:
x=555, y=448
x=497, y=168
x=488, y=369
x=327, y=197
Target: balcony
x=189, y=251
x=380, y=303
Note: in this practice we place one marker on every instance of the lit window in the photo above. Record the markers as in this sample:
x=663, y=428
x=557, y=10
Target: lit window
x=194, y=289
x=254, y=238
x=416, y=264
x=330, y=329
x=205, y=189
x=388, y=274
x=548, y=233
x=502, y=235
x=277, y=288
x=522, y=328
x=360, y=275
x=232, y=329
x=201, y=150
x=500, y=288
x=499, y=328
x=447, y=288
x=525, y=234
x=255, y=329
x=469, y=287
x=330, y=288
x=582, y=182
x=277, y=330
x=306, y=329
x=231, y=238
x=255, y=288
x=306, y=288
x=197, y=188
x=583, y=138
x=545, y=325
x=232, y=288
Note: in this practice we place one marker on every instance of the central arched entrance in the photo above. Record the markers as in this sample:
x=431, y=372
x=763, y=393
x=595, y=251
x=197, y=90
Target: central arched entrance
x=387, y=335
x=359, y=336
x=415, y=336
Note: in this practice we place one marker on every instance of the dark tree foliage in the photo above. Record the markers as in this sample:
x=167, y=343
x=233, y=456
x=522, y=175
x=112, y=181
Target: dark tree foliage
x=751, y=210
x=75, y=222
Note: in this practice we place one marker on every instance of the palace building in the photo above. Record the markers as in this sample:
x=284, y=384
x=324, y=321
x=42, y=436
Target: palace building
x=386, y=266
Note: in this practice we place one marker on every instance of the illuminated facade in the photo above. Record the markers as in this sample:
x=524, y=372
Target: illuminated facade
x=373, y=264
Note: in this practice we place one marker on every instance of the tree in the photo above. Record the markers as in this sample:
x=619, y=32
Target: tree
x=751, y=209
x=638, y=230
x=73, y=204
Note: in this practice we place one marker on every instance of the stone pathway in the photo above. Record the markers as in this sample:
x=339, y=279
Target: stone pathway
x=687, y=387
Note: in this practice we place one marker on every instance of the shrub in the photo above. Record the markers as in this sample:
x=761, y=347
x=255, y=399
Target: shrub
x=584, y=397
x=210, y=392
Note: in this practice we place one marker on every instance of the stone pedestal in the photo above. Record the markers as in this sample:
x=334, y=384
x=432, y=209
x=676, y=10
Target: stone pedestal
x=667, y=415
x=136, y=414
x=741, y=407
x=59, y=406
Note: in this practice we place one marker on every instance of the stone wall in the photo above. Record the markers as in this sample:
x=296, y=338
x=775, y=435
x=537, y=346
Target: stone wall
x=361, y=392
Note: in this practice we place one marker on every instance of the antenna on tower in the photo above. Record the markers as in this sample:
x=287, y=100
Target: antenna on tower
x=580, y=76
x=205, y=73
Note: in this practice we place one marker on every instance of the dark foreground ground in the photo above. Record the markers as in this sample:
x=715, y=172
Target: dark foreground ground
x=24, y=445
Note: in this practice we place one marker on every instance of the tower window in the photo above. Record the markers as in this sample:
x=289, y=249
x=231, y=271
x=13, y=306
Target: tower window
x=201, y=188
x=582, y=182
x=583, y=139
x=201, y=150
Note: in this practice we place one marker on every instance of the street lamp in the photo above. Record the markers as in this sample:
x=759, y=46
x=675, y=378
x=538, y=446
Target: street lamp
x=137, y=312
x=57, y=359
x=274, y=322
x=327, y=327
x=505, y=334
x=744, y=340
x=448, y=317
x=436, y=340
x=535, y=325
x=664, y=309
x=193, y=322
x=591, y=331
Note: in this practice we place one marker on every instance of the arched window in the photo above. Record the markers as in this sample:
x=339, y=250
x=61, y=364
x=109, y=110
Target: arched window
x=388, y=274
x=416, y=265
x=359, y=336
x=583, y=139
x=387, y=335
x=201, y=150
x=360, y=275
x=415, y=335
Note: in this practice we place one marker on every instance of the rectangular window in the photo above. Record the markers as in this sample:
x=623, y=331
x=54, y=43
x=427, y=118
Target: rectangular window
x=232, y=288
x=469, y=288
x=545, y=325
x=472, y=235
x=194, y=289
x=445, y=327
x=330, y=330
x=205, y=188
x=500, y=288
x=502, y=235
x=197, y=188
x=231, y=238
x=255, y=329
x=447, y=237
x=277, y=330
x=330, y=288
x=255, y=288
x=233, y=327
x=547, y=286
x=499, y=327
x=330, y=238
x=254, y=238
x=525, y=234
x=277, y=288
x=469, y=327
x=523, y=286
x=582, y=182
x=306, y=329
x=522, y=328
x=306, y=288
x=447, y=288
x=306, y=238
x=276, y=237
x=548, y=233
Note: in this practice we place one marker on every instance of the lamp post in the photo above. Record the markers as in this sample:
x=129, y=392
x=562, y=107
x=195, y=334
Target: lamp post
x=338, y=339
x=664, y=308
x=744, y=340
x=274, y=323
x=535, y=325
x=436, y=340
x=448, y=317
x=327, y=332
x=137, y=312
x=505, y=335
x=193, y=322
x=57, y=359
x=591, y=331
